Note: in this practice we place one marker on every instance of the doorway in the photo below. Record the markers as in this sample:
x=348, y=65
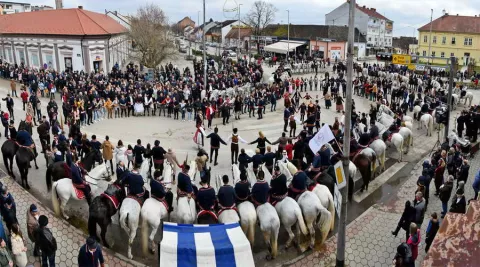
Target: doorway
x=466, y=59
x=68, y=64
x=336, y=55
x=97, y=65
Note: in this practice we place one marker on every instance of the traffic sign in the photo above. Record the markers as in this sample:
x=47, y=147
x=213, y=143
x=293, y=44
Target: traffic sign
x=401, y=59
x=411, y=66
x=340, y=175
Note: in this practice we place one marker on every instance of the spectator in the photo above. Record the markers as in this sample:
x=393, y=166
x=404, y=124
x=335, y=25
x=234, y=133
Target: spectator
x=463, y=172
x=19, y=250
x=107, y=148
x=32, y=226
x=432, y=230
x=408, y=216
x=5, y=258
x=459, y=204
x=46, y=242
x=445, y=193
x=403, y=258
x=8, y=208
x=419, y=205
x=414, y=240
x=476, y=184
x=90, y=254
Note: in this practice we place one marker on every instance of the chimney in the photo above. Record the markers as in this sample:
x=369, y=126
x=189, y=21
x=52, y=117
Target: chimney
x=80, y=7
x=58, y=4
x=364, y=6
x=373, y=9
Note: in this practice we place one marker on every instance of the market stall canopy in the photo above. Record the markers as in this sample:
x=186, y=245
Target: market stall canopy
x=213, y=245
x=283, y=46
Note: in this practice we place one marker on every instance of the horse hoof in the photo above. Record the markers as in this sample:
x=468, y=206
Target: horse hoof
x=36, y=167
x=269, y=257
x=152, y=251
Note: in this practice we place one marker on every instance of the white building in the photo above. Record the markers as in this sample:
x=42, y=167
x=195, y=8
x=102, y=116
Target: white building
x=121, y=19
x=377, y=28
x=14, y=7
x=84, y=40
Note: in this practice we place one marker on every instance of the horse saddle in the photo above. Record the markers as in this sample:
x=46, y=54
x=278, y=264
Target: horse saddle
x=113, y=199
x=78, y=192
x=227, y=208
x=162, y=200
x=207, y=213
x=140, y=198
x=275, y=199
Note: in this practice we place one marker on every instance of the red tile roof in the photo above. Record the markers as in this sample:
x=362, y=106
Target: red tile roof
x=60, y=22
x=459, y=24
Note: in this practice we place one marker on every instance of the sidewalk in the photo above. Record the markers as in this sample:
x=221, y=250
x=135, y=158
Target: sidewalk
x=69, y=239
x=369, y=238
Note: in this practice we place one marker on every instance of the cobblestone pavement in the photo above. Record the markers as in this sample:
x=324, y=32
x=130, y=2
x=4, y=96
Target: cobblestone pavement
x=369, y=238
x=69, y=239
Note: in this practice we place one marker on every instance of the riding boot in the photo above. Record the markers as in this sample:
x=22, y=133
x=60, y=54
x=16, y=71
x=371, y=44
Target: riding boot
x=169, y=199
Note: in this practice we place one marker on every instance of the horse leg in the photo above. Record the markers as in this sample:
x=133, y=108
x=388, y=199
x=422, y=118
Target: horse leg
x=266, y=237
x=152, y=239
x=26, y=180
x=291, y=236
x=36, y=166
x=311, y=229
x=63, y=203
x=103, y=233
x=11, y=168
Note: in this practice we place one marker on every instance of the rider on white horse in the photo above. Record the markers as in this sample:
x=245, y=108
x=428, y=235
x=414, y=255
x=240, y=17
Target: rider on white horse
x=299, y=181
x=79, y=182
x=184, y=186
x=158, y=192
x=260, y=190
x=134, y=181
x=242, y=189
x=226, y=196
x=206, y=201
x=278, y=190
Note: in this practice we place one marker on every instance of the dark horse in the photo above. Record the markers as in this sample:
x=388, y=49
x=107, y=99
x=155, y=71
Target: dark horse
x=23, y=157
x=102, y=209
x=9, y=149
x=59, y=170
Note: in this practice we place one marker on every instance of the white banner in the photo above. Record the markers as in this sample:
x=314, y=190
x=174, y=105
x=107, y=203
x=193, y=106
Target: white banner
x=322, y=137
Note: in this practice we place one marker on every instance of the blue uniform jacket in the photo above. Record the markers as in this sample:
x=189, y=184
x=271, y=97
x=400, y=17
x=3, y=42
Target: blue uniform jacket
x=325, y=157
x=134, y=182
x=76, y=174
x=243, y=160
x=260, y=192
x=24, y=138
x=257, y=160
x=184, y=183
x=121, y=172
x=317, y=161
x=87, y=259
x=226, y=196
x=268, y=158
x=95, y=144
x=206, y=198
x=242, y=190
x=157, y=189
x=299, y=180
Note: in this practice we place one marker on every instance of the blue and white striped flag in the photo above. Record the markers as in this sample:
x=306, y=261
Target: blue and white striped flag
x=215, y=245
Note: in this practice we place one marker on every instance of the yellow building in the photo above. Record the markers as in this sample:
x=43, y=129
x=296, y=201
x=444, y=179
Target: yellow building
x=457, y=36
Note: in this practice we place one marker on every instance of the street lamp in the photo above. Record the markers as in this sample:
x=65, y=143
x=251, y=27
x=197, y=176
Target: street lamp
x=288, y=34
x=239, y=44
x=204, y=52
x=430, y=38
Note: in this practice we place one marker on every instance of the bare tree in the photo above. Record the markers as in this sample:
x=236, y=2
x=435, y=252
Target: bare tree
x=260, y=15
x=149, y=32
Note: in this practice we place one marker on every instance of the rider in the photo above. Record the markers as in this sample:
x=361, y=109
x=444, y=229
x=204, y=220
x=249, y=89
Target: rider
x=25, y=139
x=184, y=186
x=226, y=195
x=12, y=130
x=57, y=155
x=364, y=139
x=243, y=160
x=260, y=190
x=374, y=132
x=121, y=171
x=299, y=181
x=206, y=197
x=79, y=182
x=269, y=159
x=134, y=181
x=278, y=190
x=242, y=189
x=158, y=190
x=257, y=159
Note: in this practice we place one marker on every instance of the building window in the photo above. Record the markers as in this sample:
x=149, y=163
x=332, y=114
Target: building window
x=381, y=39
x=452, y=54
x=433, y=53
x=453, y=40
x=467, y=41
x=369, y=39
x=442, y=54
x=444, y=40
x=424, y=53
x=434, y=39
x=425, y=38
x=376, y=39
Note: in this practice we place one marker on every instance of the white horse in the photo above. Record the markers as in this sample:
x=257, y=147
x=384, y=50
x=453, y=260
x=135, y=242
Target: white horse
x=455, y=100
x=290, y=214
x=168, y=175
x=63, y=189
x=153, y=214
x=469, y=98
x=315, y=215
x=228, y=216
x=407, y=137
x=270, y=226
x=284, y=170
x=409, y=125
x=406, y=118
x=380, y=150
x=129, y=218
x=426, y=121
x=397, y=140
x=416, y=110
x=186, y=210
x=326, y=199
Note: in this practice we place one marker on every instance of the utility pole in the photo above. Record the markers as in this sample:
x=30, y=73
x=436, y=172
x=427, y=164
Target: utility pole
x=342, y=224
x=288, y=34
x=430, y=39
x=239, y=44
x=449, y=99
x=204, y=52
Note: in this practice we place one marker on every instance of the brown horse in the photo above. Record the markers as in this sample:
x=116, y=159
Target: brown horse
x=364, y=165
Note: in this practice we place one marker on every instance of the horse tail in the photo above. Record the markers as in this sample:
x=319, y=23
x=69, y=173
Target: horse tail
x=251, y=231
x=124, y=222
x=48, y=177
x=324, y=223
x=331, y=209
x=144, y=235
x=5, y=162
x=301, y=221
x=274, y=241
x=55, y=200
x=369, y=170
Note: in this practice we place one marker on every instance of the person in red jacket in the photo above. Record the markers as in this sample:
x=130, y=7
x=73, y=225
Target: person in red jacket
x=414, y=240
x=24, y=96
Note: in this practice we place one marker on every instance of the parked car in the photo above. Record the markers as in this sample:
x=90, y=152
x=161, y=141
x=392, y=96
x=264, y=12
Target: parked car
x=182, y=48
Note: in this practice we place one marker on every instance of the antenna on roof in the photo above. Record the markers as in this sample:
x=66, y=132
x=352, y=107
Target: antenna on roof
x=444, y=12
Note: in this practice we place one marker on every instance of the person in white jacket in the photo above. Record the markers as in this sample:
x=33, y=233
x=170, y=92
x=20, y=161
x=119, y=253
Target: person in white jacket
x=119, y=152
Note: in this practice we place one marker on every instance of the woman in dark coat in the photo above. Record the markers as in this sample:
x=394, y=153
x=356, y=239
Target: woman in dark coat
x=408, y=216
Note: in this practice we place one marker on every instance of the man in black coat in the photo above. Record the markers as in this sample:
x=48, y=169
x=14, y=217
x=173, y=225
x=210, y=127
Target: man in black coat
x=215, y=141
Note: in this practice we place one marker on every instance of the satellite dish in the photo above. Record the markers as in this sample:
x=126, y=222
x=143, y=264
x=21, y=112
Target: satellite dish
x=230, y=9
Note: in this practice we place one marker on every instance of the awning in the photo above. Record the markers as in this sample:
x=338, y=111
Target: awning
x=282, y=46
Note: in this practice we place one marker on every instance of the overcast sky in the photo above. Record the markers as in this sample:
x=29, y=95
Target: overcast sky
x=408, y=15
